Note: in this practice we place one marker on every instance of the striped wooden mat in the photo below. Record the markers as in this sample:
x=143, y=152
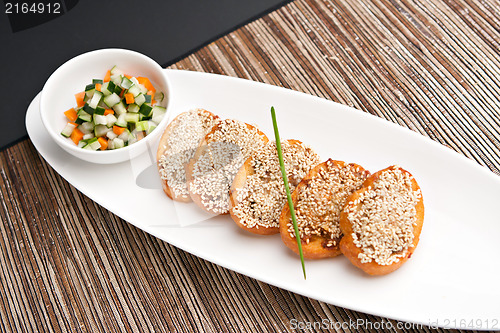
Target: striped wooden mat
x=67, y=264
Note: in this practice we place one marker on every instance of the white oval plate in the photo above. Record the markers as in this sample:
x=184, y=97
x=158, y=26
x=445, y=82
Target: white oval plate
x=450, y=281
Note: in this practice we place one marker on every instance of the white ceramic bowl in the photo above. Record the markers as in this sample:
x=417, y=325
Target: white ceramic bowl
x=58, y=95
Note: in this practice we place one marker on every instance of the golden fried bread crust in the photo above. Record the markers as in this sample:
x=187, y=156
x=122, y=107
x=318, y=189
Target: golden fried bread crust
x=168, y=144
x=258, y=137
x=238, y=183
x=347, y=244
x=320, y=246
x=269, y=196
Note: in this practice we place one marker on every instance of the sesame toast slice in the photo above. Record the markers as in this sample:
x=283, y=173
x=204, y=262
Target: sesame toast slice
x=318, y=201
x=382, y=221
x=177, y=146
x=217, y=160
x=258, y=192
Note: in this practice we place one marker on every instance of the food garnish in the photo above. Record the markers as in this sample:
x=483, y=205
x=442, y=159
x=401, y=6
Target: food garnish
x=287, y=189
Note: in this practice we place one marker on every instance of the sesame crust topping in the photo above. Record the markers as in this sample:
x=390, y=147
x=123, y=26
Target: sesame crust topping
x=383, y=217
x=260, y=201
x=227, y=147
x=321, y=200
x=187, y=130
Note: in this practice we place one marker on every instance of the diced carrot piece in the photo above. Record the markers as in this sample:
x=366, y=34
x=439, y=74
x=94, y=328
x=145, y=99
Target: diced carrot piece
x=121, y=94
x=108, y=111
x=146, y=83
x=76, y=135
x=103, y=142
x=98, y=86
x=71, y=114
x=107, y=77
x=79, y=99
x=127, y=76
x=74, y=124
x=118, y=130
x=129, y=98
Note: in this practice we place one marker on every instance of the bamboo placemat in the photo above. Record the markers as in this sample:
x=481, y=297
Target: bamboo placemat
x=69, y=265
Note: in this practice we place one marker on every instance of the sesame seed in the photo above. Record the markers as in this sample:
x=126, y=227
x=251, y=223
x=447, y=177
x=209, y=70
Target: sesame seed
x=228, y=146
x=261, y=199
x=383, y=218
x=321, y=200
x=187, y=130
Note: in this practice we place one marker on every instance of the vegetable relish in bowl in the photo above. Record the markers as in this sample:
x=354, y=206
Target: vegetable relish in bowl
x=114, y=112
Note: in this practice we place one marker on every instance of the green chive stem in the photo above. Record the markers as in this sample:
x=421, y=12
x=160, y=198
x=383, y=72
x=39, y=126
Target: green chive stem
x=287, y=189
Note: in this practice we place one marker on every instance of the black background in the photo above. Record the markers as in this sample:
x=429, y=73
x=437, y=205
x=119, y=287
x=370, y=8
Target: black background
x=33, y=45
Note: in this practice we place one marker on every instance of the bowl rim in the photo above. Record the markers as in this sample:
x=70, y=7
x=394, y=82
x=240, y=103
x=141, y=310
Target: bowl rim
x=63, y=142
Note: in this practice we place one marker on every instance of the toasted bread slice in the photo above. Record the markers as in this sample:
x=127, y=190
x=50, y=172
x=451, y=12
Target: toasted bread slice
x=382, y=221
x=318, y=201
x=177, y=146
x=258, y=192
x=217, y=160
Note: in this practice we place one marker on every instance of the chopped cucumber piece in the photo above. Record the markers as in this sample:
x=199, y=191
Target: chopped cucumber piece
x=68, y=129
x=133, y=108
x=140, y=99
x=126, y=83
x=159, y=111
x=100, y=119
x=142, y=125
x=86, y=127
x=115, y=70
x=87, y=108
x=104, y=89
x=118, y=90
x=134, y=90
x=84, y=116
x=120, y=108
x=124, y=136
x=97, y=81
x=90, y=87
x=132, y=117
x=121, y=122
x=92, y=144
x=110, y=120
x=134, y=79
x=148, y=98
x=111, y=135
x=112, y=100
x=88, y=136
x=101, y=130
x=96, y=98
x=146, y=110
x=143, y=117
x=99, y=110
x=116, y=79
x=118, y=143
x=110, y=87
